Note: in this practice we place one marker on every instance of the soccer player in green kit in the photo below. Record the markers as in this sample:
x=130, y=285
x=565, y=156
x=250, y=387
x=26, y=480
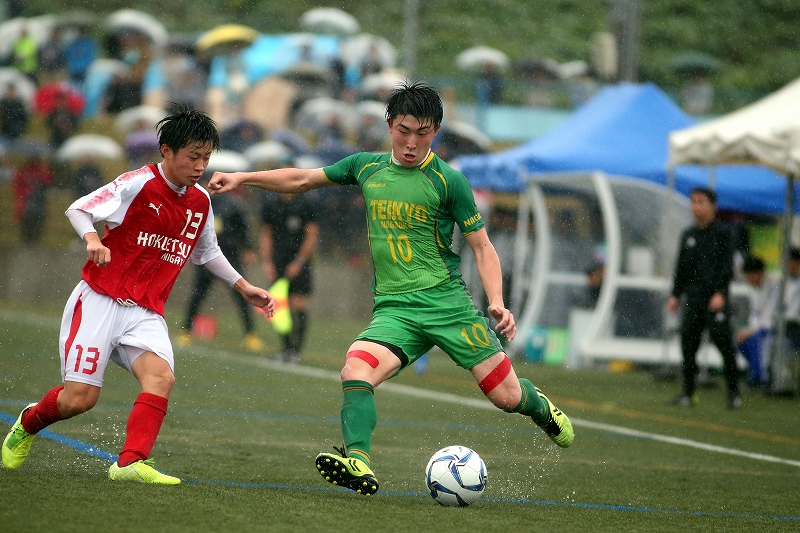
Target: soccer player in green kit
x=414, y=200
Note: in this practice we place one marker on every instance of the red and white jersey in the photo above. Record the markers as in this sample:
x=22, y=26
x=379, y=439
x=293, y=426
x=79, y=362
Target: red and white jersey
x=151, y=231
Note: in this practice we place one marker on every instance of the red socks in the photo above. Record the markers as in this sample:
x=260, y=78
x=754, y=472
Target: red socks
x=43, y=413
x=144, y=424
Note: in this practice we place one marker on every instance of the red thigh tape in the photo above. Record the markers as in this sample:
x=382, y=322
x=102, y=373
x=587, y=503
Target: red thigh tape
x=496, y=376
x=367, y=357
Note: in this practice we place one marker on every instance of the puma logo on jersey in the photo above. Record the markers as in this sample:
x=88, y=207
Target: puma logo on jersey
x=157, y=209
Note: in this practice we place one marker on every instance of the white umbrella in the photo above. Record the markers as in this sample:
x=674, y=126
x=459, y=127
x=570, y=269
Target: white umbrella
x=308, y=161
x=227, y=161
x=357, y=49
x=316, y=112
x=371, y=108
x=129, y=119
x=138, y=21
x=90, y=144
x=11, y=30
x=381, y=83
x=469, y=133
x=268, y=152
x=25, y=86
x=329, y=21
x=476, y=57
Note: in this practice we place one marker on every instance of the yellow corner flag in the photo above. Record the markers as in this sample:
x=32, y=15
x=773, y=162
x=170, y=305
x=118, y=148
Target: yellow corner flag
x=282, y=319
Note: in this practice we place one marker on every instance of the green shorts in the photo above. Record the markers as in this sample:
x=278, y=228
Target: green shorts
x=443, y=316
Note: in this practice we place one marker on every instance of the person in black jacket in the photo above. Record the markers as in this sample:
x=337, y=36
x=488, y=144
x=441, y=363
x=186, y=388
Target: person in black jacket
x=703, y=274
x=233, y=235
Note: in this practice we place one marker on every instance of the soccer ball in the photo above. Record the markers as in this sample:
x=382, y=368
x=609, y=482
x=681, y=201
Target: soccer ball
x=455, y=475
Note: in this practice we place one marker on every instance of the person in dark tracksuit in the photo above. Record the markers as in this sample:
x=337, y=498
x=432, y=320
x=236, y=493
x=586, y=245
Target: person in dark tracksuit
x=703, y=274
x=233, y=235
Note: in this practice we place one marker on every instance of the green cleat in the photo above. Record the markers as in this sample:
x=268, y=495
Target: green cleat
x=557, y=426
x=141, y=471
x=347, y=472
x=17, y=443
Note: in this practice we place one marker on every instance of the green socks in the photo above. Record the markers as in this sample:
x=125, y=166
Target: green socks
x=359, y=417
x=531, y=403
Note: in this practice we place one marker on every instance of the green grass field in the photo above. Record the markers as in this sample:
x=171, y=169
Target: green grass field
x=243, y=431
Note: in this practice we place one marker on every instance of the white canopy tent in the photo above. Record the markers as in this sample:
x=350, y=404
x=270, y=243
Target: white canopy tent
x=766, y=132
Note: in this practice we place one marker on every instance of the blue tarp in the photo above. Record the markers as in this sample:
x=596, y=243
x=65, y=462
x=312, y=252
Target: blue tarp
x=623, y=131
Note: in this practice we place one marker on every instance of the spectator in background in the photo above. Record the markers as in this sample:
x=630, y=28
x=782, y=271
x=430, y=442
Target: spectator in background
x=62, y=121
x=29, y=185
x=752, y=340
x=703, y=273
x=87, y=177
x=14, y=115
x=79, y=54
x=697, y=96
x=289, y=235
x=490, y=84
x=24, y=53
x=52, y=61
x=582, y=88
x=233, y=235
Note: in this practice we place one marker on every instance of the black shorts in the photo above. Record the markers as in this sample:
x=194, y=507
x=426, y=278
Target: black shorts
x=302, y=283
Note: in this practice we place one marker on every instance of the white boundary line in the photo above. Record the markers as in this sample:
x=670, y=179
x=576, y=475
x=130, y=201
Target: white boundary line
x=484, y=404
x=38, y=320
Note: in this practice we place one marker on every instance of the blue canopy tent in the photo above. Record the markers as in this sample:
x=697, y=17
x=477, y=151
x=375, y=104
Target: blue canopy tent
x=623, y=131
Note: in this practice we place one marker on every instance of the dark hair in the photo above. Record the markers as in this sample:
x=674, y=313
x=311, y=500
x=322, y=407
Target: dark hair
x=705, y=191
x=184, y=127
x=753, y=264
x=416, y=99
x=794, y=253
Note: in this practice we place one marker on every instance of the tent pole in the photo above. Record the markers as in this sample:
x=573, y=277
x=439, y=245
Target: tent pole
x=779, y=379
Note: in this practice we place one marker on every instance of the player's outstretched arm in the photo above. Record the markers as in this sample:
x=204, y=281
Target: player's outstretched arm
x=256, y=296
x=283, y=180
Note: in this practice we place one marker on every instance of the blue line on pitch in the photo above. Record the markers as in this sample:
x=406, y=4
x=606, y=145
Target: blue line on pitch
x=110, y=457
x=66, y=441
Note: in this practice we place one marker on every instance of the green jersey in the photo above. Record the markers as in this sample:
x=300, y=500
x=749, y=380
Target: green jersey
x=411, y=215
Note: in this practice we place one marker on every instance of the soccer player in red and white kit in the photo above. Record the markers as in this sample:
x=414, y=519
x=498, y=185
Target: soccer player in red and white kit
x=157, y=218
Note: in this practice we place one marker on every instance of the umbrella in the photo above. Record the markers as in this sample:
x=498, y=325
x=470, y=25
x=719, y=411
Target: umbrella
x=137, y=21
x=537, y=67
x=371, y=108
x=268, y=152
x=477, y=57
x=25, y=87
x=308, y=161
x=91, y=145
x=135, y=117
x=142, y=141
x=378, y=84
x=463, y=138
x=317, y=112
x=225, y=38
x=293, y=140
x=695, y=63
x=227, y=161
x=329, y=21
x=306, y=74
x=47, y=97
x=356, y=50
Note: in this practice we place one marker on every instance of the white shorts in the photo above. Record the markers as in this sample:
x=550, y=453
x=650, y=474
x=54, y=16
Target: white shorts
x=96, y=329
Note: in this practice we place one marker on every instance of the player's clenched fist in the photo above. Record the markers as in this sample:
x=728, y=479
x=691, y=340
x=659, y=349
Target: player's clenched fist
x=98, y=254
x=222, y=182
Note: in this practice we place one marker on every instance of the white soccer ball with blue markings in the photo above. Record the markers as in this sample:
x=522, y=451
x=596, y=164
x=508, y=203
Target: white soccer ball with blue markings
x=455, y=475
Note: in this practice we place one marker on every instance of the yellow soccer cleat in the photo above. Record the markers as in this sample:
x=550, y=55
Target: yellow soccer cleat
x=557, y=426
x=253, y=343
x=184, y=339
x=348, y=472
x=142, y=472
x=17, y=443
